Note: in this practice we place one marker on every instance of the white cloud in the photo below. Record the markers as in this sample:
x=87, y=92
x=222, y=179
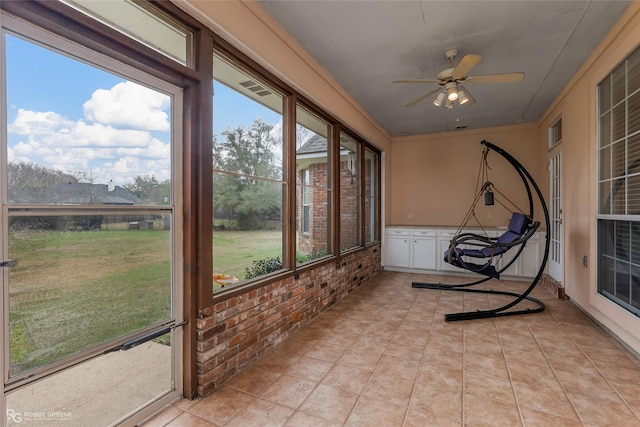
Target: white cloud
x=110, y=142
x=129, y=105
x=38, y=123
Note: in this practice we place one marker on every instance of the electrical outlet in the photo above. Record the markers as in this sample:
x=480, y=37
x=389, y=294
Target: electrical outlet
x=410, y=215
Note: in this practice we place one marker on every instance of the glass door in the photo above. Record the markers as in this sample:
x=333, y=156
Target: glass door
x=90, y=234
x=555, y=213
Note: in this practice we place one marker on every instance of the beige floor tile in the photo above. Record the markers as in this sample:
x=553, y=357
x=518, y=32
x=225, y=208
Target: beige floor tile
x=326, y=351
x=360, y=358
x=484, y=412
x=387, y=388
x=587, y=385
x=549, y=400
x=310, y=368
x=488, y=386
x=403, y=368
x=438, y=403
x=519, y=341
x=416, y=418
x=384, y=356
x=540, y=419
x=445, y=342
x=484, y=345
x=329, y=403
x=600, y=411
x=221, y=406
x=289, y=391
x=278, y=361
x=628, y=391
x=261, y=413
x=487, y=363
x=445, y=378
x=347, y=378
x=375, y=413
x=440, y=356
x=188, y=420
x=404, y=337
x=403, y=350
x=300, y=419
x=524, y=356
x=254, y=380
x=340, y=338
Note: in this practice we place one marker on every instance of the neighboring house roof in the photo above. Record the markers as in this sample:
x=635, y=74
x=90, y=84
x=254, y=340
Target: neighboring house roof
x=315, y=144
x=82, y=193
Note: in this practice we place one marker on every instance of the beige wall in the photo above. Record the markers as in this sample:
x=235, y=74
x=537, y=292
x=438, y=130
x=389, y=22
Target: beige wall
x=434, y=176
x=577, y=106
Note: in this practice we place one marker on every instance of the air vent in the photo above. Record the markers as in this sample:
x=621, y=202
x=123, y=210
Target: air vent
x=255, y=88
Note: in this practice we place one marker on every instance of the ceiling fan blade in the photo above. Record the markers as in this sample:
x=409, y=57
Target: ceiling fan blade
x=422, y=98
x=416, y=81
x=496, y=78
x=465, y=65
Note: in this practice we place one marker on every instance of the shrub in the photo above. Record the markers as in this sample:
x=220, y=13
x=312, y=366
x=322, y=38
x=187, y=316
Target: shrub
x=262, y=267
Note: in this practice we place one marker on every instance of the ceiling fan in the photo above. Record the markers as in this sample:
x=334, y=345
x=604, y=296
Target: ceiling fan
x=451, y=79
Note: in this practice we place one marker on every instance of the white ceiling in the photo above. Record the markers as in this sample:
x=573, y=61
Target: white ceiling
x=365, y=45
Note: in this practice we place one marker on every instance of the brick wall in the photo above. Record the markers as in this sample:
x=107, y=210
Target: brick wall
x=349, y=208
x=316, y=238
x=238, y=331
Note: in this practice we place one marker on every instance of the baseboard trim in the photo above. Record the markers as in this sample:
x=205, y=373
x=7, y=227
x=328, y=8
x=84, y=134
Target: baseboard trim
x=554, y=287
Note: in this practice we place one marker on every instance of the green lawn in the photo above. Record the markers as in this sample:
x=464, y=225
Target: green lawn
x=73, y=290
x=233, y=251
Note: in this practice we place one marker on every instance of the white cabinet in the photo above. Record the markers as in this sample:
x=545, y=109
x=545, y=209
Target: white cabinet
x=424, y=249
x=411, y=248
x=398, y=252
x=528, y=262
x=531, y=258
x=444, y=240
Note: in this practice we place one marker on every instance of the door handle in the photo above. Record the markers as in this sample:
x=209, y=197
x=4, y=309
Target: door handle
x=9, y=263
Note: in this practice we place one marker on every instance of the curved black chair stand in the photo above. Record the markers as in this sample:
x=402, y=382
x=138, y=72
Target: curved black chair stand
x=520, y=233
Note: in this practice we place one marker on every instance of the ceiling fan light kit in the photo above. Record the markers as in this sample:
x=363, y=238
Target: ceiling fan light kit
x=464, y=97
x=452, y=92
x=452, y=78
x=439, y=99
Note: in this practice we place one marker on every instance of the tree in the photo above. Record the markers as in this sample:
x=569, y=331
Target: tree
x=31, y=183
x=150, y=190
x=246, y=166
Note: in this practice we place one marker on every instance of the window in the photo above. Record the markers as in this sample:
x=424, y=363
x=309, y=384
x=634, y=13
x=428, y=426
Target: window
x=142, y=22
x=313, y=184
x=555, y=133
x=248, y=183
x=306, y=200
x=349, y=192
x=91, y=177
x=281, y=168
x=371, y=195
x=619, y=184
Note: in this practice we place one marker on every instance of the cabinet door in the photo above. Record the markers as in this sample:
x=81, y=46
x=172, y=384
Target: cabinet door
x=530, y=258
x=444, y=239
x=398, y=252
x=424, y=254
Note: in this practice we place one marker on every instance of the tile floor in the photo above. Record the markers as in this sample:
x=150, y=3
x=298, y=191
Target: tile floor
x=383, y=356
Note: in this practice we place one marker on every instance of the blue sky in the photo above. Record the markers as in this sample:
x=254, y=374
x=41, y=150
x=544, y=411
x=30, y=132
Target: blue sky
x=70, y=116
